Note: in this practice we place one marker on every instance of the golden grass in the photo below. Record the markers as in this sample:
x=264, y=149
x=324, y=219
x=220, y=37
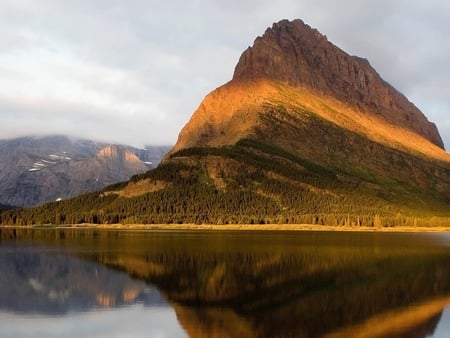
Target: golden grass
x=142, y=187
x=237, y=227
x=138, y=188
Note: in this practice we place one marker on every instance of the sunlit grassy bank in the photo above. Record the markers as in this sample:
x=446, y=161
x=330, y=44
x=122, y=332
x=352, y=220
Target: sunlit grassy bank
x=236, y=227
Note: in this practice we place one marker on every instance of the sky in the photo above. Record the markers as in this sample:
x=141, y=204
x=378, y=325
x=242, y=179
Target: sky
x=134, y=71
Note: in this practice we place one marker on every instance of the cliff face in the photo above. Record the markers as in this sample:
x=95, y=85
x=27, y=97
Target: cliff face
x=296, y=54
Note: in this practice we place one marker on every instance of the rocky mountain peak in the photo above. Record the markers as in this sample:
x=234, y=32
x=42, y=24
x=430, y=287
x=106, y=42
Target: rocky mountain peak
x=296, y=54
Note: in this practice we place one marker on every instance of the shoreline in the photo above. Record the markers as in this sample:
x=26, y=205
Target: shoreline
x=230, y=227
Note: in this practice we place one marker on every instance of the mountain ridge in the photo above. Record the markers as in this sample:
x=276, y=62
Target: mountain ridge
x=35, y=170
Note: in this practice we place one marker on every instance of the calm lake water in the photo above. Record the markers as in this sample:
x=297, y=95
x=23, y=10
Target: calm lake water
x=86, y=283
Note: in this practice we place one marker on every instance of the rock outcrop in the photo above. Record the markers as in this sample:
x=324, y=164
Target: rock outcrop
x=296, y=54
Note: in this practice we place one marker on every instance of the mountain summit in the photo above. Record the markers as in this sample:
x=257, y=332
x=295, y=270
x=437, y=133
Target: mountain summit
x=303, y=133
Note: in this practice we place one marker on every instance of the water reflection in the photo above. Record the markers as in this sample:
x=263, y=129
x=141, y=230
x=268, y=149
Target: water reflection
x=226, y=284
x=40, y=280
x=132, y=321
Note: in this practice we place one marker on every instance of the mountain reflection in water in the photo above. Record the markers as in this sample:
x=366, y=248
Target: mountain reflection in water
x=38, y=280
x=238, y=284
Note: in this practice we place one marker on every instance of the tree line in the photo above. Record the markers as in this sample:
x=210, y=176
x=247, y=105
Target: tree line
x=296, y=192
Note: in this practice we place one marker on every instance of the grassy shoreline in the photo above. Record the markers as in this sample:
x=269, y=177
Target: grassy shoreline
x=233, y=227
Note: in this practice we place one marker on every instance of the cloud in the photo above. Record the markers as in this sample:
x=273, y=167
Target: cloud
x=142, y=67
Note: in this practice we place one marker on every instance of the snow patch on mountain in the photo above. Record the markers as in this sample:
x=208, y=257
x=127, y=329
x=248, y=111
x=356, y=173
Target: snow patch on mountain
x=51, y=160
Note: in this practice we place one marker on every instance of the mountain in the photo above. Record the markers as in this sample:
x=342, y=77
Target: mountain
x=34, y=170
x=303, y=133
x=295, y=90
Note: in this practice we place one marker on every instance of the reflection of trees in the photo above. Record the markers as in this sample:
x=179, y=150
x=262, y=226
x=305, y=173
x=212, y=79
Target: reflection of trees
x=270, y=287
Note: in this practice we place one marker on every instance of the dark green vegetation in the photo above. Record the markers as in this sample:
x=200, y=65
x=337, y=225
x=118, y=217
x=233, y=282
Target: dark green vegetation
x=249, y=183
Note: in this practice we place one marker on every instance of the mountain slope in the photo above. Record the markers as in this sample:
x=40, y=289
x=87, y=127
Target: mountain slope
x=318, y=128
x=303, y=133
x=34, y=170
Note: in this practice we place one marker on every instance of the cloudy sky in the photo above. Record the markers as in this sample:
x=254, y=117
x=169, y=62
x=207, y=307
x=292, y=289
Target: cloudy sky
x=134, y=71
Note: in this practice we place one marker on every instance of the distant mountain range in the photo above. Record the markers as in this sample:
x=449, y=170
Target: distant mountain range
x=34, y=170
x=303, y=133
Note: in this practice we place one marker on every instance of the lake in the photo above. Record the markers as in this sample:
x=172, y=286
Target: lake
x=91, y=283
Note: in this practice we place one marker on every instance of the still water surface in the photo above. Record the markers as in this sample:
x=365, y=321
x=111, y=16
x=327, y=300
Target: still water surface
x=86, y=283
